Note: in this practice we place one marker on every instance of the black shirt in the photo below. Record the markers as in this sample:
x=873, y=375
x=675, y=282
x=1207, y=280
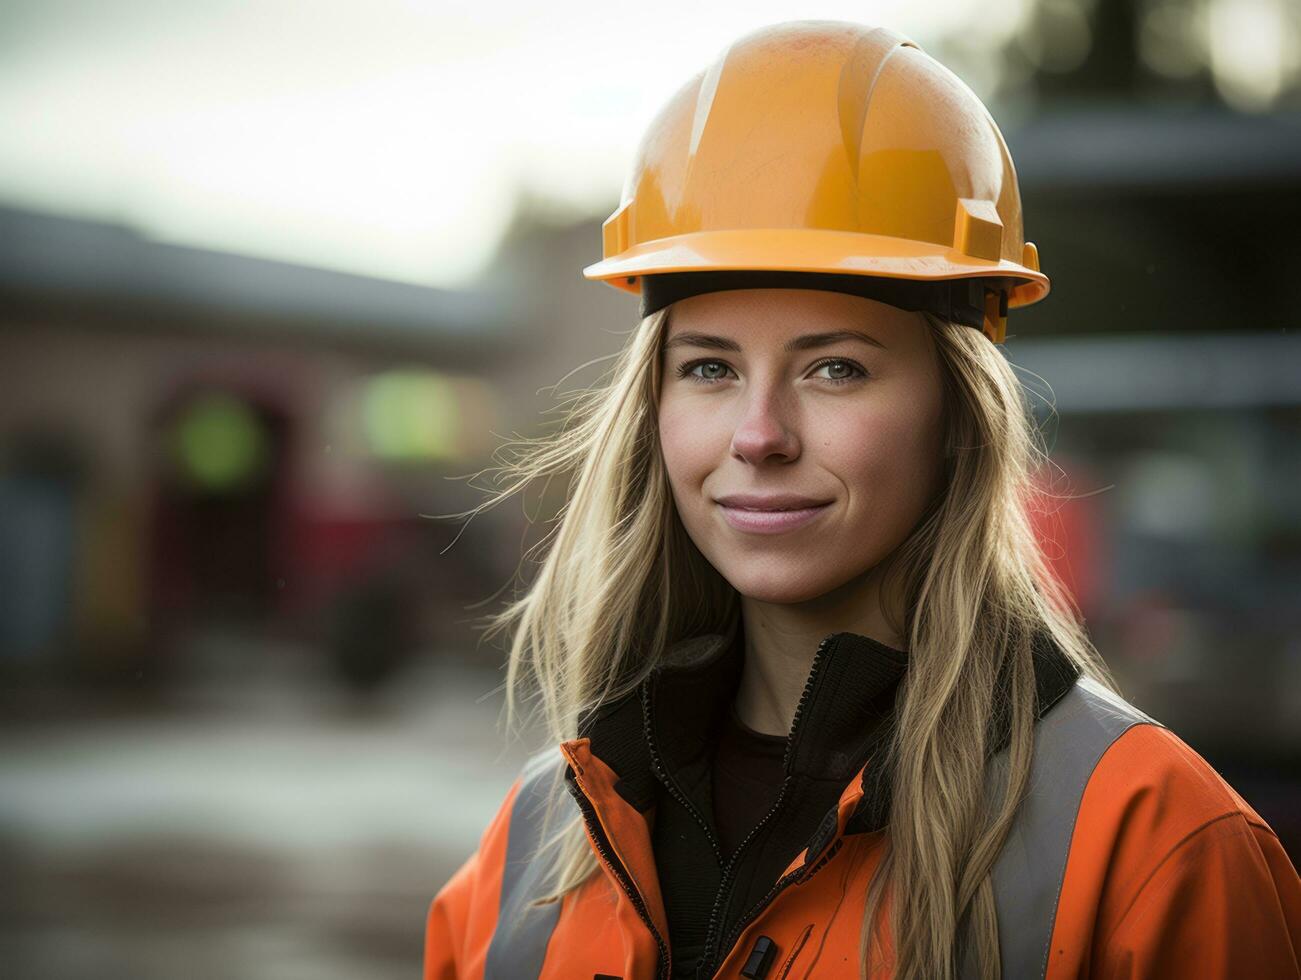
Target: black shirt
x=747, y=774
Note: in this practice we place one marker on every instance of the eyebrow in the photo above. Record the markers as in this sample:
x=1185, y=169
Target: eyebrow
x=807, y=342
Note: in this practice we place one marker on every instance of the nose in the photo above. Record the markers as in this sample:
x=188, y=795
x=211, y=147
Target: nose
x=762, y=432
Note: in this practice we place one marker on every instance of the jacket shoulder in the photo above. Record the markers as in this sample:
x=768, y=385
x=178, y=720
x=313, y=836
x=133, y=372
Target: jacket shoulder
x=1151, y=764
x=1149, y=789
x=463, y=916
x=1170, y=870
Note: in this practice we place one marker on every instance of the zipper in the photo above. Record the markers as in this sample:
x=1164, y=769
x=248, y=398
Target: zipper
x=671, y=784
x=706, y=965
x=597, y=833
x=801, y=875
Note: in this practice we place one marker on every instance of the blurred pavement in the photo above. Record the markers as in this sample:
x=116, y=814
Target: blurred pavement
x=255, y=823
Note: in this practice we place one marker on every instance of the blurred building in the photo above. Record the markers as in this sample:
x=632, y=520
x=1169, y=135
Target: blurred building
x=190, y=438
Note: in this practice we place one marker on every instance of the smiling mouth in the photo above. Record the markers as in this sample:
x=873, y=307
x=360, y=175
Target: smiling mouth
x=771, y=520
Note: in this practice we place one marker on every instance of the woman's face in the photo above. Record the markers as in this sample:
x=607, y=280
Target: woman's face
x=756, y=404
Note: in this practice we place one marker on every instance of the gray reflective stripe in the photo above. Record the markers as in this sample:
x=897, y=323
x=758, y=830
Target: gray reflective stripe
x=1027, y=877
x=519, y=942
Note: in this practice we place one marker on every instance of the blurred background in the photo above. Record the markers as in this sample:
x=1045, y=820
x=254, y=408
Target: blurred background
x=276, y=279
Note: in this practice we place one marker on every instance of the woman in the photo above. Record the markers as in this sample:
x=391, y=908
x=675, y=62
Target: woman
x=821, y=709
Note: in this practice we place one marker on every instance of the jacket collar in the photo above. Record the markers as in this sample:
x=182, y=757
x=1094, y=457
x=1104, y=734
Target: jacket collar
x=844, y=720
x=848, y=692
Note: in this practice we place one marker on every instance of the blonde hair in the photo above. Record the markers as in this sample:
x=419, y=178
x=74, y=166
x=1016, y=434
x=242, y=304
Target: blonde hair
x=621, y=581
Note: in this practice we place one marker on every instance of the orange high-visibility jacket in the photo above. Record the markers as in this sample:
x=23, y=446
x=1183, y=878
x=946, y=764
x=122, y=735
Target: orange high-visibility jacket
x=1130, y=857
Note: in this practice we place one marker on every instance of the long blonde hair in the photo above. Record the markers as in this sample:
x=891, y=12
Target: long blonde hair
x=621, y=581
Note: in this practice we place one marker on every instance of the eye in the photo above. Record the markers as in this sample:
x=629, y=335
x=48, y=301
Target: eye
x=688, y=371
x=839, y=363
x=713, y=370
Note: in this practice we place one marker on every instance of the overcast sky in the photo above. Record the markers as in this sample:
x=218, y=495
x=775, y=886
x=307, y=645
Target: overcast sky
x=383, y=137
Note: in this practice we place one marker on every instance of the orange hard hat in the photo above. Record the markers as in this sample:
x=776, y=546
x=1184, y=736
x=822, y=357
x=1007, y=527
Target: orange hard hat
x=833, y=149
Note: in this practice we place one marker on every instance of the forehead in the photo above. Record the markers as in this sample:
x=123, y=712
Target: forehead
x=766, y=315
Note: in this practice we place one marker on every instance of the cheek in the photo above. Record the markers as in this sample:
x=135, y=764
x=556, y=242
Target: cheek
x=887, y=449
x=688, y=444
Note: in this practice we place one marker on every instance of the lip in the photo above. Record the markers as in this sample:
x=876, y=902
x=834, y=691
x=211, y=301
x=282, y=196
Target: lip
x=773, y=514
x=769, y=501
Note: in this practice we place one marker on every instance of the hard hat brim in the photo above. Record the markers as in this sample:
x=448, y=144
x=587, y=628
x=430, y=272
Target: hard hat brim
x=811, y=250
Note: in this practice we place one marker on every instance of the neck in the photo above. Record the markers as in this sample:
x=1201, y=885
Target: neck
x=781, y=640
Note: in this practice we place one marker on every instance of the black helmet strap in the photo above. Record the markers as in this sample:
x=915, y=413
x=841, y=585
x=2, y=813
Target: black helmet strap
x=958, y=300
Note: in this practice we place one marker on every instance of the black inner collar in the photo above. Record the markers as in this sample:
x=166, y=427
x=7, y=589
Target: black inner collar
x=849, y=712
x=849, y=691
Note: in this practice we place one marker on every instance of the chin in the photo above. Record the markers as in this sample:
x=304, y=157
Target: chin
x=783, y=586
